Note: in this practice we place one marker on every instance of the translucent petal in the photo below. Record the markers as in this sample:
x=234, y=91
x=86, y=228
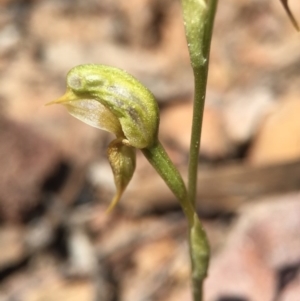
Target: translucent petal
x=95, y=114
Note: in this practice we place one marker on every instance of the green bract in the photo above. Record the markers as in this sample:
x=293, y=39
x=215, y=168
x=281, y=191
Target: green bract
x=122, y=161
x=195, y=13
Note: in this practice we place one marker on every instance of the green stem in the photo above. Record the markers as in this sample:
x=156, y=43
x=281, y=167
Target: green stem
x=197, y=289
x=199, y=19
x=200, y=81
x=199, y=247
x=199, y=253
x=160, y=160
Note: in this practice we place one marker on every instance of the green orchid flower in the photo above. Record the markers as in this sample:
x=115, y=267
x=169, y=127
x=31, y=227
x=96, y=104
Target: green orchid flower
x=112, y=100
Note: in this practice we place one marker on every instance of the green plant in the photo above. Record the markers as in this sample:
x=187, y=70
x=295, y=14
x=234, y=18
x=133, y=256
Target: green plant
x=111, y=99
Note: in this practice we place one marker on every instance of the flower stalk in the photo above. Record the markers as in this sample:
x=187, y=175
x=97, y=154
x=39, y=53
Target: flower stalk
x=198, y=20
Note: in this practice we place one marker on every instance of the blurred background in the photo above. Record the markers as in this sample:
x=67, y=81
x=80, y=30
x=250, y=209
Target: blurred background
x=56, y=242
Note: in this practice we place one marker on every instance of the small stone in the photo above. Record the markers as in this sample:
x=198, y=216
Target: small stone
x=9, y=39
x=292, y=291
x=244, y=113
x=264, y=240
x=239, y=272
x=12, y=246
x=73, y=291
x=278, y=138
x=27, y=160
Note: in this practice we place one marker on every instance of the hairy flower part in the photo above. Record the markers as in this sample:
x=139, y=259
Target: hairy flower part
x=122, y=161
x=93, y=113
x=113, y=100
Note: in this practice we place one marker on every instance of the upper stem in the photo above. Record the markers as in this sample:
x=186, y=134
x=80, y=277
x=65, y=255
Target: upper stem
x=200, y=81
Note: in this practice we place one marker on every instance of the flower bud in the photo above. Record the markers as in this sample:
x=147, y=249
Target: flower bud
x=195, y=14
